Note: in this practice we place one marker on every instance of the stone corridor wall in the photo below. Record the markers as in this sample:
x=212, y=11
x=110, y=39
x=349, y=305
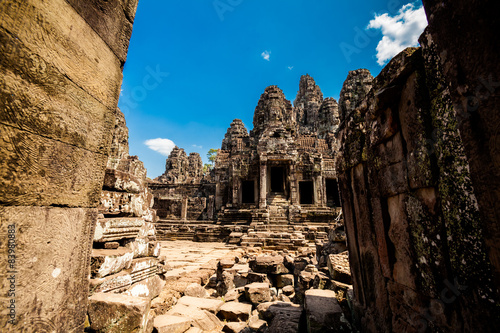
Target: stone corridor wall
x=466, y=39
x=60, y=76
x=416, y=243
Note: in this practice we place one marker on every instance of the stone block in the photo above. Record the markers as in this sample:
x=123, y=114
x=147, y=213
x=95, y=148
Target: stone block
x=236, y=294
x=109, y=19
x=323, y=312
x=256, y=324
x=338, y=266
x=110, y=312
x=113, y=229
x=240, y=279
x=232, y=327
x=37, y=98
x=117, y=282
x=142, y=268
x=258, y=293
x=49, y=173
x=150, y=287
x=235, y=311
x=257, y=277
x=212, y=305
x=400, y=237
x=195, y=290
x=203, y=319
x=105, y=262
x=268, y=264
x=194, y=330
x=142, y=247
x=111, y=245
x=281, y=316
x=288, y=290
x=52, y=263
x=383, y=127
x=101, y=79
x=389, y=152
x=225, y=283
x=172, y=324
x=132, y=204
x=119, y=181
x=393, y=180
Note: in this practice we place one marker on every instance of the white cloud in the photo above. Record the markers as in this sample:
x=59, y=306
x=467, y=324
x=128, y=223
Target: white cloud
x=163, y=146
x=198, y=147
x=290, y=67
x=266, y=55
x=399, y=31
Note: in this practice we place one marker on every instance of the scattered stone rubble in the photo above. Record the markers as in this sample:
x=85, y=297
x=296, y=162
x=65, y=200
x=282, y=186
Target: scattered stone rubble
x=257, y=290
x=125, y=269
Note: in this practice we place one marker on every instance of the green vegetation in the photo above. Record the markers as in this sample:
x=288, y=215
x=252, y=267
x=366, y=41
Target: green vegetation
x=212, y=155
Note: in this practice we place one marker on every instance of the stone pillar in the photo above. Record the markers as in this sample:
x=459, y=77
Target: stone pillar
x=210, y=208
x=184, y=208
x=318, y=194
x=235, y=187
x=294, y=198
x=263, y=185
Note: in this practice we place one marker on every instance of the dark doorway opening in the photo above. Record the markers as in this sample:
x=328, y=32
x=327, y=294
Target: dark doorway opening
x=277, y=179
x=306, y=192
x=248, y=192
x=332, y=193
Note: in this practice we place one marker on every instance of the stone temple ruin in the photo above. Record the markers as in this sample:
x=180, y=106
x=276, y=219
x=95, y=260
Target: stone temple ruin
x=410, y=156
x=280, y=177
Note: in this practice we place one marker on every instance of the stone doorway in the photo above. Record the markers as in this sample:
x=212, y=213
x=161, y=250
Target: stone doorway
x=332, y=193
x=248, y=192
x=277, y=179
x=306, y=192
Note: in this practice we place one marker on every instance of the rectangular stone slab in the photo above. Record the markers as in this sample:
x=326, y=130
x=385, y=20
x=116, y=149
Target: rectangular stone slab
x=150, y=288
x=117, y=228
x=172, y=324
x=35, y=170
x=52, y=260
x=115, y=180
x=38, y=98
x=106, y=262
x=122, y=203
x=212, y=305
x=109, y=20
x=110, y=312
x=46, y=26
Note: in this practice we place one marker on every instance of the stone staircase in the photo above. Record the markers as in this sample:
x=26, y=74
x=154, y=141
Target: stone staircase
x=277, y=207
x=167, y=230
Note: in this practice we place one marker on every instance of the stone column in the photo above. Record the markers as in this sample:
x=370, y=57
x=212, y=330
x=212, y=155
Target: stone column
x=263, y=185
x=294, y=198
x=184, y=208
x=235, y=187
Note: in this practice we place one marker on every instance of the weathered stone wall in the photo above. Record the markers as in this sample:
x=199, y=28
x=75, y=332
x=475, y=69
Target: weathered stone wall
x=466, y=39
x=415, y=237
x=60, y=64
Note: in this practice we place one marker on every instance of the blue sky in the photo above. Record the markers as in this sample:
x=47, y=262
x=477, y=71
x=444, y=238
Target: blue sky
x=195, y=65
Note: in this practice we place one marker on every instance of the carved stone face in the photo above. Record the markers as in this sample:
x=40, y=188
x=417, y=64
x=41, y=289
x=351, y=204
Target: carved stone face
x=275, y=114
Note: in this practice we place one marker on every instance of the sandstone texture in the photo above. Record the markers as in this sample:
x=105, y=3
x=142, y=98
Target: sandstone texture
x=58, y=94
x=416, y=230
x=110, y=312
